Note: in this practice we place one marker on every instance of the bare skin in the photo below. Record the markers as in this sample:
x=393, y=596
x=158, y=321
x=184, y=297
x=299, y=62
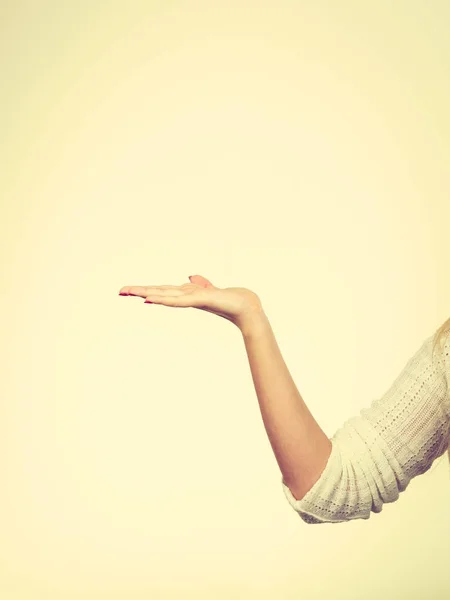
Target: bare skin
x=300, y=446
x=237, y=305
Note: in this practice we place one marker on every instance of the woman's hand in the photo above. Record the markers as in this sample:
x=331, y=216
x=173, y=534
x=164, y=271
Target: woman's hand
x=237, y=305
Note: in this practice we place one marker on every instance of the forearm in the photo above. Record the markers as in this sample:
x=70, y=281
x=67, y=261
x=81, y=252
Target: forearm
x=300, y=446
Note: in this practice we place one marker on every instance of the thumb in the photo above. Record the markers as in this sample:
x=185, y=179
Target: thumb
x=199, y=280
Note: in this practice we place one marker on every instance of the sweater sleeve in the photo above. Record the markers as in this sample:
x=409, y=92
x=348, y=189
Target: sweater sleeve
x=376, y=454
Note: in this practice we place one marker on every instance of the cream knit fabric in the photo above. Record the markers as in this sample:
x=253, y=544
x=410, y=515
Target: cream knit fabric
x=376, y=454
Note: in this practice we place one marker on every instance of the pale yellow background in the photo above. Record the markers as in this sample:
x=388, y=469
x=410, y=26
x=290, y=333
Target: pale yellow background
x=300, y=149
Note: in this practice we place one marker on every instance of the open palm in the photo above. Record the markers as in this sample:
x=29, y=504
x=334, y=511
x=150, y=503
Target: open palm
x=233, y=304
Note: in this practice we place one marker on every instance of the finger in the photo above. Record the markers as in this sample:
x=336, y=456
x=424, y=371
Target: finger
x=134, y=290
x=176, y=301
x=182, y=297
x=170, y=291
x=143, y=291
x=199, y=280
x=161, y=287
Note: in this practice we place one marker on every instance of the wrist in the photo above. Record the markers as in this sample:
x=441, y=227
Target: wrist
x=254, y=323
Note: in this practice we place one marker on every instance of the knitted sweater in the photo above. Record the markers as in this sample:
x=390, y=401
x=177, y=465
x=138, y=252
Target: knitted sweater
x=376, y=454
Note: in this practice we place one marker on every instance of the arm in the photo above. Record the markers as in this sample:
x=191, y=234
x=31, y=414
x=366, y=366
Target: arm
x=300, y=446
x=372, y=458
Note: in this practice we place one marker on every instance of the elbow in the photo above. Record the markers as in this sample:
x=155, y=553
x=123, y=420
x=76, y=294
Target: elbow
x=300, y=489
x=301, y=485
